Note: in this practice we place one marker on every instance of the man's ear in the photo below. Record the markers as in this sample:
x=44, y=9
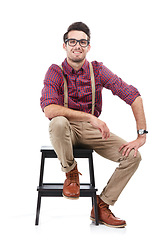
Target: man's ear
x=64, y=46
x=89, y=47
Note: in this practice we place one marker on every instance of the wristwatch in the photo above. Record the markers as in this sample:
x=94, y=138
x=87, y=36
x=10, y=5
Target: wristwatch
x=141, y=131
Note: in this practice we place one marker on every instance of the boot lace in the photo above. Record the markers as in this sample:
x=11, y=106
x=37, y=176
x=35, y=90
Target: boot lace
x=73, y=176
x=105, y=207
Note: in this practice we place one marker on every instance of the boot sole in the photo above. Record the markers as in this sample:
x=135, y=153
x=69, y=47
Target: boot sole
x=72, y=198
x=108, y=225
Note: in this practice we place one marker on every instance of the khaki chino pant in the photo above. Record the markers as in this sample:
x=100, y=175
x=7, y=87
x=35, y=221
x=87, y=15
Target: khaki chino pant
x=64, y=134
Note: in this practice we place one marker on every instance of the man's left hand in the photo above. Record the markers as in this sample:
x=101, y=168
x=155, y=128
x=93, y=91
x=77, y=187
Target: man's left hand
x=140, y=141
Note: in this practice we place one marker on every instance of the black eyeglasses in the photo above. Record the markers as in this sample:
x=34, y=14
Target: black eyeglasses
x=72, y=42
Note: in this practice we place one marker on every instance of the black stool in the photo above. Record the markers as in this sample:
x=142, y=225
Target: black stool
x=56, y=189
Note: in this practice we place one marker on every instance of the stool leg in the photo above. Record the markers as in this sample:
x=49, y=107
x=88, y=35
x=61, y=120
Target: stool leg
x=92, y=182
x=96, y=210
x=92, y=201
x=40, y=184
x=41, y=169
x=91, y=170
x=38, y=209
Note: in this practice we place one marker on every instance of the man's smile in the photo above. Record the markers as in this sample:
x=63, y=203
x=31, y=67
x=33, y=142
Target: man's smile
x=77, y=52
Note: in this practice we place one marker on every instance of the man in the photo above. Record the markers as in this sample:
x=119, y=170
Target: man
x=74, y=124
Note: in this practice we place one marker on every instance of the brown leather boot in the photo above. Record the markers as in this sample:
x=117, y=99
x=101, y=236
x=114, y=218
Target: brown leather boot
x=106, y=216
x=71, y=187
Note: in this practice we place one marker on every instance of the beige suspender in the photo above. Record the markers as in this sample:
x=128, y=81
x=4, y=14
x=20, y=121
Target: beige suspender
x=65, y=89
x=93, y=87
x=92, y=84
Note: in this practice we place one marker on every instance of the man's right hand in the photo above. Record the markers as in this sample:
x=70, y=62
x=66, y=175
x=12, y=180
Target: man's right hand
x=97, y=123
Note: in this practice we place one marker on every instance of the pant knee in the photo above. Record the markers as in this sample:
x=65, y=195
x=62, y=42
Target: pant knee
x=138, y=157
x=58, y=126
x=135, y=160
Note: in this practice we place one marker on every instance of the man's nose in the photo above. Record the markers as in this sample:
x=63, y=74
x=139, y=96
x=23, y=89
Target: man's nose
x=78, y=45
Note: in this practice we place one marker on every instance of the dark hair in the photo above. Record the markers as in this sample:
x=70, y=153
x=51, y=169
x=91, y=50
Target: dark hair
x=78, y=26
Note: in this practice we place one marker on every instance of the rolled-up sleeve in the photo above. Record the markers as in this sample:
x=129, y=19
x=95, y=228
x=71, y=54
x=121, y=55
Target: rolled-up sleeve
x=50, y=91
x=111, y=81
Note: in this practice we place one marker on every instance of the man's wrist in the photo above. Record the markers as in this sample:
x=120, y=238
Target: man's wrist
x=142, y=136
x=142, y=131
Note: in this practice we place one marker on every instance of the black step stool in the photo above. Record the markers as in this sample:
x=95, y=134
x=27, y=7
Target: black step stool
x=56, y=189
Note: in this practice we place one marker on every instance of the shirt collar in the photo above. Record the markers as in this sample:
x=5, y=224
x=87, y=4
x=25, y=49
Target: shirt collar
x=69, y=70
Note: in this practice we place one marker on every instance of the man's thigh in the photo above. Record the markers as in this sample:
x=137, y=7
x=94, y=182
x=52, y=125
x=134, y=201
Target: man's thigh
x=109, y=148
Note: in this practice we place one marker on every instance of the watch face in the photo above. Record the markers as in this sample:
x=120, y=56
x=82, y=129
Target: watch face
x=141, y=131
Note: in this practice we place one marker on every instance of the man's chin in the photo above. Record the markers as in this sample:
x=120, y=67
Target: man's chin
x=77, y=60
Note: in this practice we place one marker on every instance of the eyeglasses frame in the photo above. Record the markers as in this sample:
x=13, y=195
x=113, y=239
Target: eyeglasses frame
x=77, y=41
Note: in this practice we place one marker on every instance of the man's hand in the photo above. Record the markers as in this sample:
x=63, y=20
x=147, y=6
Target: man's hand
x=97, y=123
x=140, y=141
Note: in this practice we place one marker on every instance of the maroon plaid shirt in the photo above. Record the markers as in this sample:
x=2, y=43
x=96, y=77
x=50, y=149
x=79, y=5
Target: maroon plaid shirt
x=79, y=87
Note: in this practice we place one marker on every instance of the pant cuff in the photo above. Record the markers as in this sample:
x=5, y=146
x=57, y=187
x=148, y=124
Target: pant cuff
x=107, y=200
x=68, y=169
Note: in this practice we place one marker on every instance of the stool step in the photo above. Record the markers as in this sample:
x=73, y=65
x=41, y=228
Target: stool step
x=56, y=189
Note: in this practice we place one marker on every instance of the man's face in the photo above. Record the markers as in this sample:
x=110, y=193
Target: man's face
x=76, y=53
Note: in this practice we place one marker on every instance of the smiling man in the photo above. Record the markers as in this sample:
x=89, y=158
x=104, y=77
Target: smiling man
x=72, y=100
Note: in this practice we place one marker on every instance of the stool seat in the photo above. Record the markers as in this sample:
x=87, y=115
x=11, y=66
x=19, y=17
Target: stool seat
x=77, y=152
x=56, y=189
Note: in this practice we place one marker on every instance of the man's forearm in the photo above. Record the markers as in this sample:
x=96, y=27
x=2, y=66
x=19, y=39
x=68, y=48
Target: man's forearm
x=138, y=111
x=54, y=110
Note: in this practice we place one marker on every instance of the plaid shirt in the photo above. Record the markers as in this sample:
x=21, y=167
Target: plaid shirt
x=79, y=87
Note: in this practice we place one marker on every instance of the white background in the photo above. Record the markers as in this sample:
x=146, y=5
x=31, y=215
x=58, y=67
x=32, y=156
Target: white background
x=125, y=37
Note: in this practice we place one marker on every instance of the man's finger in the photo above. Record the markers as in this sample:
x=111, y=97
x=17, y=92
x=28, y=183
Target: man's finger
x=122, y=147
x=135, y=152
x=124, y=151
x=128, y=151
